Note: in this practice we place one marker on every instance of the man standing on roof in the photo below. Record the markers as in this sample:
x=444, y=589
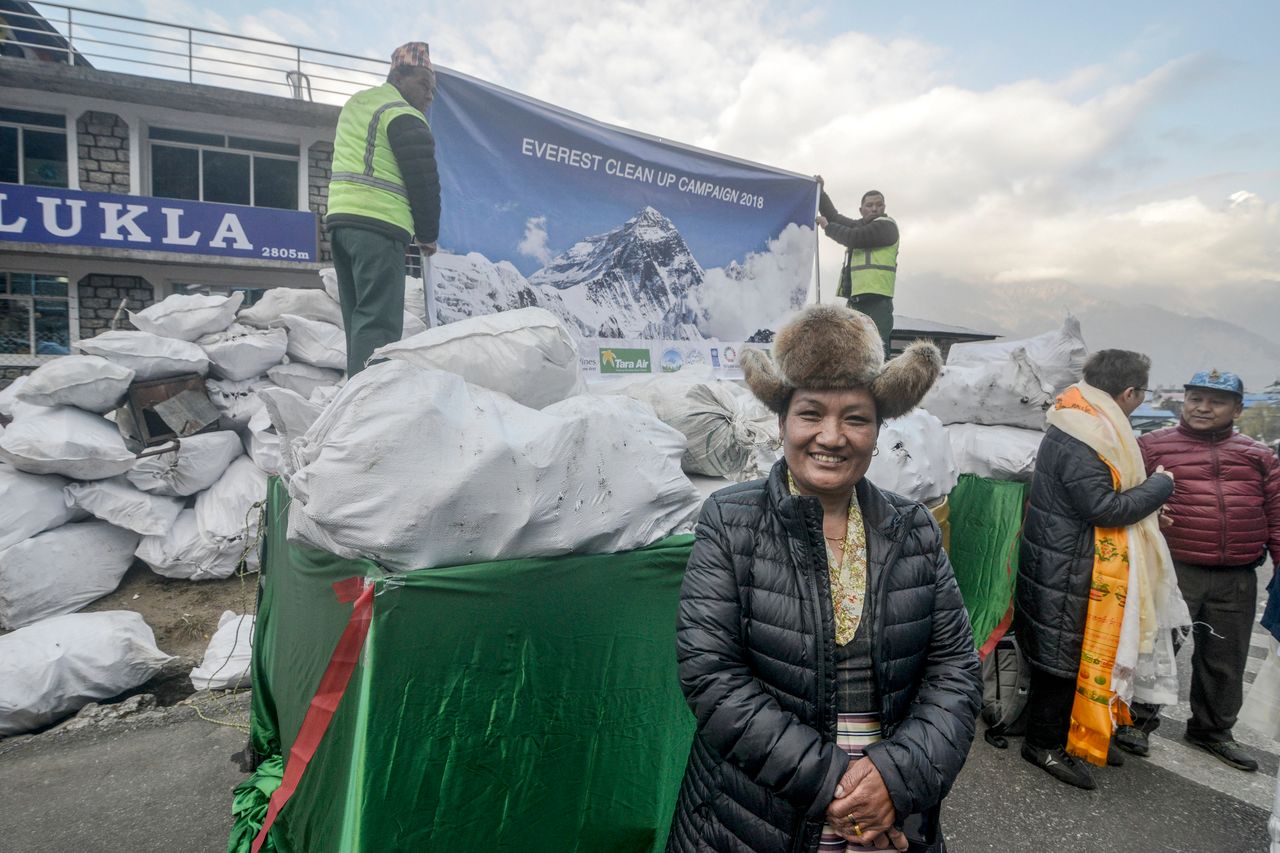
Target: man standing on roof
x=1222, y=521
x=385, y=191
x=870, y=259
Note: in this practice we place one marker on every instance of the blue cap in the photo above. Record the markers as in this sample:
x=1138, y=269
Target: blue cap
x=1217, y=381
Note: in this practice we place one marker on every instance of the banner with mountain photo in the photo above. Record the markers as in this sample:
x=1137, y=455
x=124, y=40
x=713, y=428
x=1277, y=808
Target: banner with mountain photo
x=656, y=255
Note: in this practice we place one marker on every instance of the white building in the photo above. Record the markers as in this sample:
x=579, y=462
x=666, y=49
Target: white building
x=120, y=184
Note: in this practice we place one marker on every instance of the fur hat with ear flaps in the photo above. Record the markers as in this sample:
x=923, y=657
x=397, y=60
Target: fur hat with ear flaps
x=833, y=348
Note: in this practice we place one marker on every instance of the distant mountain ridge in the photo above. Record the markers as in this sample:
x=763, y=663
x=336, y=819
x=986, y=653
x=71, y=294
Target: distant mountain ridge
x=1178, y=340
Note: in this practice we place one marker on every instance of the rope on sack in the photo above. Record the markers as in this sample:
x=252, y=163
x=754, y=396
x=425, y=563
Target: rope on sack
x=248, y=606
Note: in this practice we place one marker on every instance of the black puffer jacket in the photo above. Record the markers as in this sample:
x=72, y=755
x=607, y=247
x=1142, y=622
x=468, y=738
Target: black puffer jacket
x=756, y=643
x=1071, y=494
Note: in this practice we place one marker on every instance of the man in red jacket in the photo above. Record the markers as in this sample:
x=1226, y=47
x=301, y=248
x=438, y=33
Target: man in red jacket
x=1223, y=519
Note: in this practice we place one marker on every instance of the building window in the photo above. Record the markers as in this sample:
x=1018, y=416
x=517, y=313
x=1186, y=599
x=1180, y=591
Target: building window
x=33, y=148
x=35, y=314
x=226, y=169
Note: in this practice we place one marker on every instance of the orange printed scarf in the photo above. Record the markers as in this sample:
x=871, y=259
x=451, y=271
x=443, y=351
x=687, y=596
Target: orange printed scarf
x=1092, y=718
x=1091, y=713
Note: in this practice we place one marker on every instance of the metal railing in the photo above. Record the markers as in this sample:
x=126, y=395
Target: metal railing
x=128, y=44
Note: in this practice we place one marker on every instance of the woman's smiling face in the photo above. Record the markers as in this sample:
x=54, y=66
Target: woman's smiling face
x=828, y=438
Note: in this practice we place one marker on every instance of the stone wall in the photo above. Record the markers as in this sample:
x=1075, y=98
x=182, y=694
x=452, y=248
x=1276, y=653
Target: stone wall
x=100, y=297
x=103, y=140
x=8, y=374
x=319, y=169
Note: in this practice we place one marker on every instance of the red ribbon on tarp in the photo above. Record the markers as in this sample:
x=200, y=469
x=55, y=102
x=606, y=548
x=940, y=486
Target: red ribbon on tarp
x=333, y=684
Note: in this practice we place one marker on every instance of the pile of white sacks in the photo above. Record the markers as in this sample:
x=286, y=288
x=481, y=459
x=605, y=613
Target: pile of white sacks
x=984, y=416
x=477, y=441
x=77, y=507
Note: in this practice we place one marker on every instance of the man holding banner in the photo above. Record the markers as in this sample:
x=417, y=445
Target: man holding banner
x=871, y=257
x=385, y=190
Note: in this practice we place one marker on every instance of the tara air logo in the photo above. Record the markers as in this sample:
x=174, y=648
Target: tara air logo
x=623, y=360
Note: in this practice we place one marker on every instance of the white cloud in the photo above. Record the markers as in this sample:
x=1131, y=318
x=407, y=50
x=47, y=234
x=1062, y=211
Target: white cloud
x=763, y=287
x=534, y=243
x=1028, y=181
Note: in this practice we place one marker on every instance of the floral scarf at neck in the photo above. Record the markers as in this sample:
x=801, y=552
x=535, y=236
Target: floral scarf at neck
x=848, y=573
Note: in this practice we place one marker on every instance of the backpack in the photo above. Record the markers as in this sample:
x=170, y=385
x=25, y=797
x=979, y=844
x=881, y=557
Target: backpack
x=1006, y=680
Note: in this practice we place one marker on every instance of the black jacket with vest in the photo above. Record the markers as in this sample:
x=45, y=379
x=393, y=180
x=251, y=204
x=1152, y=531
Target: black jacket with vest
x=756, y=645
x=1071, y=493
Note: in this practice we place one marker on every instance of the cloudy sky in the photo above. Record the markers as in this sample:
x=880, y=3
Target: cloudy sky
x=1124, y=151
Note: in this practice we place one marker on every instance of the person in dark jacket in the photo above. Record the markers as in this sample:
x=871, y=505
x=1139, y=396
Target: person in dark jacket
x=1072, y=493
x=1223, y=519
x=869, y=275
x=823, y=644
x=384, y=192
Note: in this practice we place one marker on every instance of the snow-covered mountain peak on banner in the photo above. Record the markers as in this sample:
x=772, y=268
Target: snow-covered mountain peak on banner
x=646, y=243
x=629, y=282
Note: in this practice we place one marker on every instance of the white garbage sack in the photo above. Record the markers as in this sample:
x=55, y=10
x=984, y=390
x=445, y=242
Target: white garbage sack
x=527, y=354
x=9, y=396
x=12, y=407
x=323, y=395
x=66, y=441
x=315, y=342
x=58, y=665
x=329, y=281
x=187, y=316
x=415, y=468
x=124, y=505
x=226, y=661
x=289, y=416
x=183, y=553
x=1006, y=393
x=195, y=466
x=148, y=356
x=29, y=504
x=415, y=296
x=309, y=302
x=226, y=515
x=412, y=326
x=998, y=452
x=236, y=402
x=303, y=378
x=87, y=382
x=243, y=352
x=62, y=570
x=1057, y=356
x=723, y=425
x=914, y=457
x=262, y=443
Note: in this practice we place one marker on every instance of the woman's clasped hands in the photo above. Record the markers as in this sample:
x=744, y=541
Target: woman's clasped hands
x=862, y=811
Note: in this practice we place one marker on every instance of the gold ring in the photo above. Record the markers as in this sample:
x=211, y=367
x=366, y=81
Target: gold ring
x=857, y=828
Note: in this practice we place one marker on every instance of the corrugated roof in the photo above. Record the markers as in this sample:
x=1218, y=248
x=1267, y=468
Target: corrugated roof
x=903, y=323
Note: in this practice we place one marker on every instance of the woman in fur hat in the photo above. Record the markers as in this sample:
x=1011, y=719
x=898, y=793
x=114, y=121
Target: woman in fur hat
x=823, y=644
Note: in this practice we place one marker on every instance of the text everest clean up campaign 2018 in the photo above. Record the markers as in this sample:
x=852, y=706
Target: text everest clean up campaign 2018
x=588, y=161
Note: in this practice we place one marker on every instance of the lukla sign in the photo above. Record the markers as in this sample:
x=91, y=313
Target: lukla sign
x=42, y=215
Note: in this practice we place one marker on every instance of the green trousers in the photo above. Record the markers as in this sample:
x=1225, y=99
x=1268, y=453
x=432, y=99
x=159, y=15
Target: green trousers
x=880, y=309
x=370, y=268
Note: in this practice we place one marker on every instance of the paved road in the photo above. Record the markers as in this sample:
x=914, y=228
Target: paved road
x=1178, y=799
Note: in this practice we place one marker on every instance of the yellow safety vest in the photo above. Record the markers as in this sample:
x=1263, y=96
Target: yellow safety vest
x=869, y=270
x=366, y=179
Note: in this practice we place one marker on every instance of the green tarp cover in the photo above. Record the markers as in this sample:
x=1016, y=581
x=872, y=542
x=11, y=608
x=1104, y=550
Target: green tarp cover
x=986, y=523
x=527, y=705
